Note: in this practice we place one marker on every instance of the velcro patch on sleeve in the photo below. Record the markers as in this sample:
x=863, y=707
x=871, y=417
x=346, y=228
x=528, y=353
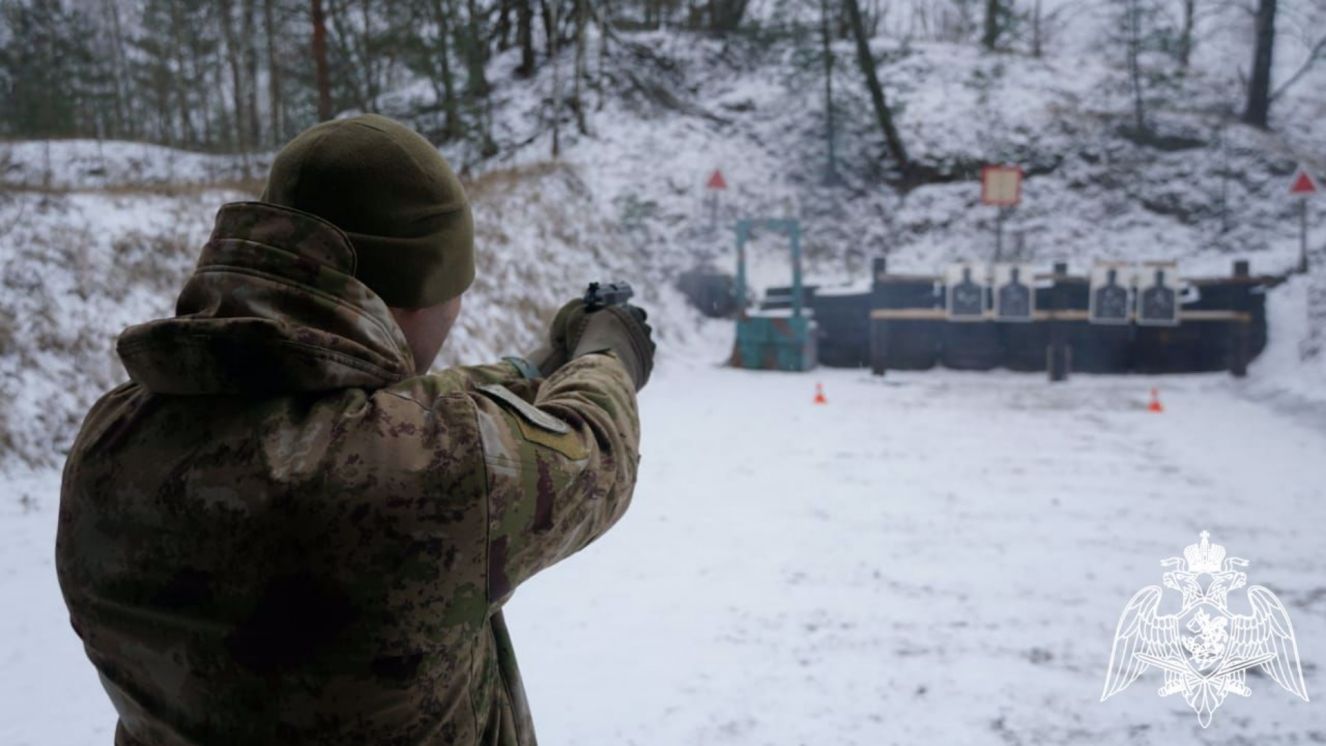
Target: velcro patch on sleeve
x=537, y=426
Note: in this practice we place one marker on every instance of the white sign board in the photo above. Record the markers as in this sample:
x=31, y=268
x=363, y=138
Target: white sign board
x=1109, y=300
x=964, y=291
x=1001, y=185
x=1014, y=296
x=1158, y=294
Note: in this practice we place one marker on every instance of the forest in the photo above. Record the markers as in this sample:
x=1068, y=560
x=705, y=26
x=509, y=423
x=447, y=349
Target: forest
x=241, y=76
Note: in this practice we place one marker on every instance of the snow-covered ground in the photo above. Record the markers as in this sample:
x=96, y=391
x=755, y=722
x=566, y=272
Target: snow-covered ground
x=930, y=558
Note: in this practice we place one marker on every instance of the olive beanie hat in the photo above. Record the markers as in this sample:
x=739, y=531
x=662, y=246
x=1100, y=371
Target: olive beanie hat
x=395, y=197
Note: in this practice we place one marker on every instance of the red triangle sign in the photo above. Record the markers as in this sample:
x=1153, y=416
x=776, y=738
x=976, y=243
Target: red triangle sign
x=716, y=181
x=1303, y=183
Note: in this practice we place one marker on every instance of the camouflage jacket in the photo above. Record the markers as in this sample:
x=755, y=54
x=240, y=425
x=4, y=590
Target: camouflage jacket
x=278, y=534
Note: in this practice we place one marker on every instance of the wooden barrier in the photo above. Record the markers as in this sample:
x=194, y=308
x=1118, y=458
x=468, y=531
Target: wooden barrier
x=1223, y=328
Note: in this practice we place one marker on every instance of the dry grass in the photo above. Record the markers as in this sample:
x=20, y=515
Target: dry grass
x=251, y=186
x=478, y=188
x=486, y=185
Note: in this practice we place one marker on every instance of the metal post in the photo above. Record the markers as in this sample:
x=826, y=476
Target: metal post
x=879, y=345
x=1240, y=330
x=999, y=234
x=1303, y=234
x=879, y=268
x=794, y=231
x=1057, y=354
x=743, y=229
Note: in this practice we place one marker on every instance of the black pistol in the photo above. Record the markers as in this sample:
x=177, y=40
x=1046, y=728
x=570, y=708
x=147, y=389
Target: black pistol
x=604, y=294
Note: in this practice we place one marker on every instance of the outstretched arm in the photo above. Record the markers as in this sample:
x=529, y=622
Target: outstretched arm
x=560, y=469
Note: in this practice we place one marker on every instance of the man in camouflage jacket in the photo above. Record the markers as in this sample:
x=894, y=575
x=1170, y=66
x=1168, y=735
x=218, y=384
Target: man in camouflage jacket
x=284, y=530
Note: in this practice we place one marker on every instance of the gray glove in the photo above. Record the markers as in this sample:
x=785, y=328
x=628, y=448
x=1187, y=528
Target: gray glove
x=621, y=330
x=563, y=334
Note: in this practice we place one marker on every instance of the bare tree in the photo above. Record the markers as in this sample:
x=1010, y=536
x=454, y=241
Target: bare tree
x=1134, y=36
x=319, y=51
x=233, y=58
x=250, y=44
x=1186, y=31
x=442, y=76
x=556, y=82
x=883, y=114
x=275, y=105
x=577, y=105
x=993, y=24
x=525, y=37
x=1258, y=108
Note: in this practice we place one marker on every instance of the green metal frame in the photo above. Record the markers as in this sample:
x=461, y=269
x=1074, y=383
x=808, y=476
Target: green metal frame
x=792, y=228
x=773, y=341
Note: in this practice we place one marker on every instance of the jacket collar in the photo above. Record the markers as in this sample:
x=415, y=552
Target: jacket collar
x=272, y=307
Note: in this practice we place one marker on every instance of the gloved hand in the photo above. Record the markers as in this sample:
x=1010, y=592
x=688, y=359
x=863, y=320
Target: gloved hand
x=563, y=334
x=619, y=329
x=623, y=331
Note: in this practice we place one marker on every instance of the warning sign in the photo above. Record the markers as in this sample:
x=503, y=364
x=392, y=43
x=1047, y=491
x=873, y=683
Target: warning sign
x=1304, y=185
x=1001, y=185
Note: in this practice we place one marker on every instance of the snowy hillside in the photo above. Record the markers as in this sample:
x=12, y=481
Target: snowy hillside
x=95, y=236
x=1202, y=188
x=77, y=267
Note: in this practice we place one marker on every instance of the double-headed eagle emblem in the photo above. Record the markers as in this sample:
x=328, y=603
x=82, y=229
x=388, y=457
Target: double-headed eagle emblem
x=1203, y=648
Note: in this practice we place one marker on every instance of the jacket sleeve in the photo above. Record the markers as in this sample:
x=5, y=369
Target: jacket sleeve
x=561, y=466
x=503, y=373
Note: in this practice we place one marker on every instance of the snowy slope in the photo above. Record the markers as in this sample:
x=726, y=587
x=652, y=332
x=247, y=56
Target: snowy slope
x=1212, y=190
x=628, y=199
x=78, y=267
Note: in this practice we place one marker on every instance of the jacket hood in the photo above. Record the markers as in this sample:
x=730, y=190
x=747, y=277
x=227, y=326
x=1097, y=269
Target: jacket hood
x=272, y=307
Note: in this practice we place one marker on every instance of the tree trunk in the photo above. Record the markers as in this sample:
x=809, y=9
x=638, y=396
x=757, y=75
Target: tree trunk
x=503, y=30
x=882, y=111
x=250, y=35
x=204, y=94
x=577, y=103
x=236, y=71
x=1258, y=110
x=179, y=84
x=276, y=115
x=1134, y=66
x=603, y=16
x=1186, y=33
x=319, y=50
x=1037, y=35
x=118, y=67
x=476, y=53
x=826, y=40
x=551, y=10
x=525, y=37
x=451, y=127
x=549, y=24
x=991, y=36
x=477, y=87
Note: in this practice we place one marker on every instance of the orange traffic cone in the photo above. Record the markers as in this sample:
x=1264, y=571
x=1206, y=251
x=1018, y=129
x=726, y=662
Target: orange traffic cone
x=1155, y=405
x=819, y=394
